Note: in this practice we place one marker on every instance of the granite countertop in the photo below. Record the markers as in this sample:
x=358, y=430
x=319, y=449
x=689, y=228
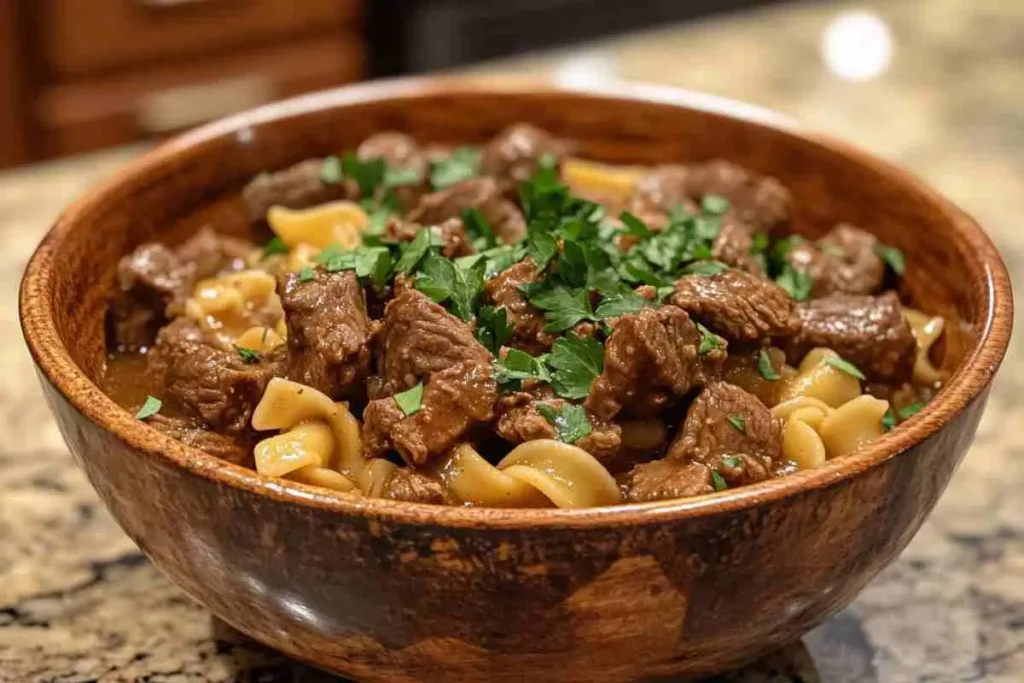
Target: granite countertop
x=940, y=89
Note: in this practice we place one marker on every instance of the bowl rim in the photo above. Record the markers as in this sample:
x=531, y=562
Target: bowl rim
x=968, y=382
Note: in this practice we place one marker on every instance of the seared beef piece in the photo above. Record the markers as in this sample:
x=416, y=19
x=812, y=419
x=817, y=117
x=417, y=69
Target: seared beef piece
x=514, y=155
x=526, y=320
x=399, y=151
x=418, y=338
x=733, y=244
x=237, y=449
x=739, y=306
x=208, y=381
x=519, y=420
x=650, y=359
x=742, y=368
x=328, y=331
x=844, y=261
x=148, y=280
x=452, y=234
x=759, y=201
x=731, y=432
x=296, y=187
x=666, y=480
x=454, y=400
x=868, y=331
x=409, y=485
x=213, y=253
x=482, y=194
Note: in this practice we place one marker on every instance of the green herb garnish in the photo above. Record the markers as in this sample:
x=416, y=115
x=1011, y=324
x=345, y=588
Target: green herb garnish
x=706, y=268
x=908, y=412
x=516, y=366
x=492, y=328
x=575, y=363
x=275, y=246
x=797, y=284
x=307, y=274
x=570, y=423
x=410, y=400
x=634, y=226
x=332, y=172
x=844, y=365
x=563, y=307
x=412, y=252
x=708, y=341
x=248, y=355
x=621, y=303
x=464, y=163
x=714, y=204
x=888, y=420
x=892, y=256
x=765, y=366
x=739, y=422
x=733, y=461
x=718, y=482
x=149, y=408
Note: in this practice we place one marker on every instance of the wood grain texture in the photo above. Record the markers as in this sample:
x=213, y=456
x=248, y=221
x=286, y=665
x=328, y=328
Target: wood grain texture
x=386, y=591
x=13, y=97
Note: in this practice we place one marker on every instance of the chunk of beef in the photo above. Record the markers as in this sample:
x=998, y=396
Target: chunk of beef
x=760, y=201
x=666, y=479
x=743, y=368
x=527, y=321
x=455, y=399
x=868, y=331
x=408, y=485
x=452, y=234
x=514, y=155
x=418, y=338
x=235, y=449
x=212, y=253
x=731, y=432
x=739, y=306
x=733, y=246
x=399, y=151
x=844, y=261
x=651, y=358
x=148, y=280
x=208, y=381
x=482, y=194
x=296, y=187
x=520, y=420
x=328, y=331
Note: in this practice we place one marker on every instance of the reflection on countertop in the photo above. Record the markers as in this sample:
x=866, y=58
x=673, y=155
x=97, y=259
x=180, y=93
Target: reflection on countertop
x=937, y=85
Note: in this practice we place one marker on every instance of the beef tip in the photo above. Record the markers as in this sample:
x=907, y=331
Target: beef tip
x=666, y=479
x=759, y=201
x=739, y=306
x=409, y=485
x=651, y=358
x=208, y=381
x=526, y=320
x=513, y=157
x=743, y=369
x=452, y=234
x=399, y=151
x=148, y=280
x=844, y=261
x=482, y=194
x=328, y=331
x=520, y=420
x=235, y=449
x=212, y=253
x=454, y=400
x=733, y=246
x=868, y=331
x=296, y=187
x=731, y=432
x=418, y=338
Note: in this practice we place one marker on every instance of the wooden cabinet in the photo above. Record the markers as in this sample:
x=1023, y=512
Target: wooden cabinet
x=86, y=74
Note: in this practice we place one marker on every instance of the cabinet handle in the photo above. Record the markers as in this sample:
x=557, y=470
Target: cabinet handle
x=176, y=108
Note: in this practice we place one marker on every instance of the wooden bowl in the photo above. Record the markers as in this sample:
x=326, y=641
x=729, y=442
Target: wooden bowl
x=386, y=591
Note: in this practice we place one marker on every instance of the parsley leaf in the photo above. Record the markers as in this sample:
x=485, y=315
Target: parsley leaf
x=540, y=245
x=733, y=461
x=888, y=421
x=464, y=163
x=575, y=362
x=436, y=278
x=759, y=244
x=372, y=262
x=765, y=366
x=797, y=283
x=908, y=412
x=307, y=274
x=706, y=268
x=248, y=355
x=275, y=246
x=718, y=482
x=714, y=204
x=410, y=400
x=709, y=341
x=331, y=171
x=833, y=250
x=893, y=256
x=739, y=422
x=492, y=328
x=398, y=177
x=479, y=230
x=621, y=303
x=469, y=282
x=634, y=226
x=150, y=408
x=570, y=423
x=844, y=365
x=412, y=252
x=563, y=307
x=516, y=366
x=572, y=264
x=368, y=175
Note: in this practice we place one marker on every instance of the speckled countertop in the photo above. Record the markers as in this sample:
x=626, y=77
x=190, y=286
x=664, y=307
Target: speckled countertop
x=941, y=90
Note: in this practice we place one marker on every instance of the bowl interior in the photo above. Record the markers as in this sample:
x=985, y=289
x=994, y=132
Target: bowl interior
x=195, y=180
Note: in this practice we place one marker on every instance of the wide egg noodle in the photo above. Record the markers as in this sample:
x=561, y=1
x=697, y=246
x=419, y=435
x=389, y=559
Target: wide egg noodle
x=927, y=330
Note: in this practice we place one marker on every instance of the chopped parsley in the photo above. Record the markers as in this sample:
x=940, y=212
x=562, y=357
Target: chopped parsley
x=492, y=328
x=714, y=204
x=248, y=356
x=516, y=366
x=570, y=423
x=575, y=363
x=411, y=252
x=307, y=274
x=462, y=164
x=709, y=341
x=844, y=365
x=454, y=284
x=739, y=422
x=479, y=230
x=797, y=283
x=911, y=410
x=893, y=257
x=621, y=303
x=765, y=365
x=331, y=171
x=634, y=226
x=275, y=246
x=707, y=268
x=732, y=461
x=718, y=482
x=888, y=421
x=149, y=408
x=367, y=262
x=563, y=307
x=410, y=400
